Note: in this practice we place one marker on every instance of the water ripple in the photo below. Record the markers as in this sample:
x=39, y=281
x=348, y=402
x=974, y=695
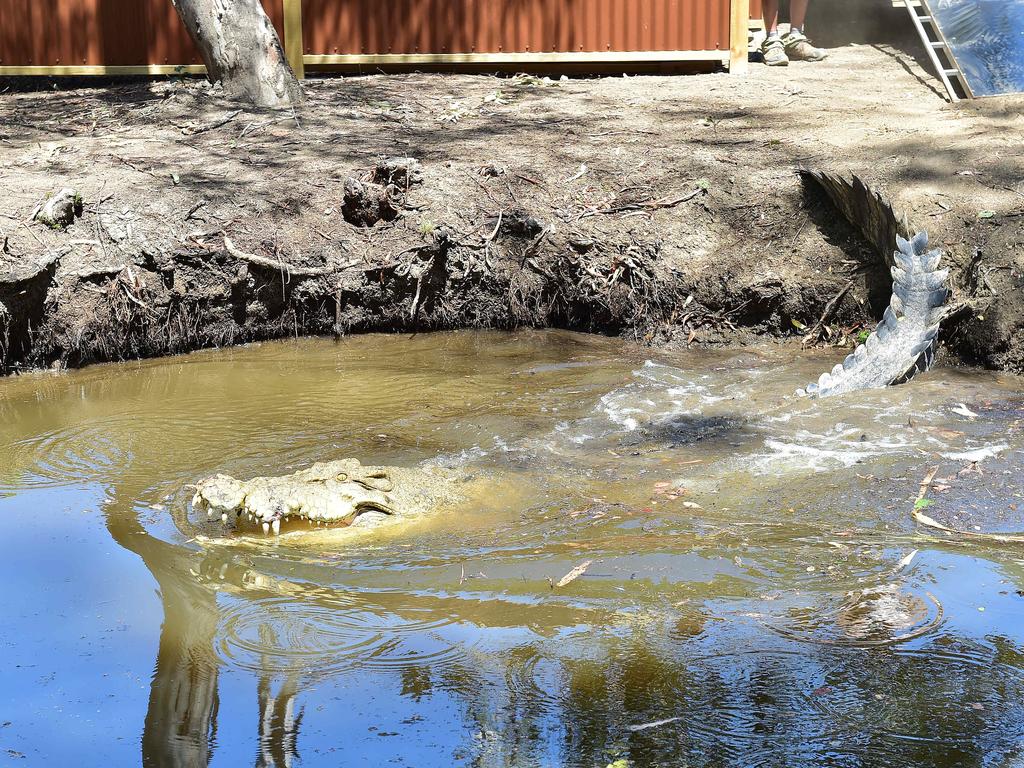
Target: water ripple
x=878, y=616
x=281, y=633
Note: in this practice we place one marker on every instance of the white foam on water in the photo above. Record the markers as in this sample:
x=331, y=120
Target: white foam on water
x=457, y=459
x=978, y=454
x=841, y=446
x=658, y=390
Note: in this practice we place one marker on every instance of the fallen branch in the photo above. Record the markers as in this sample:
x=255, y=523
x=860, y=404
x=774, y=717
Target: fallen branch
x=193, y=209
x=815, y=332
x=415, y=306
x=134, y=167
x=958, y=311
x=282, y=266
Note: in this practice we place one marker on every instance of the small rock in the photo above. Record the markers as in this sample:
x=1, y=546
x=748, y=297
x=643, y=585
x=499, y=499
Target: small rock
x=493, y=170
x=60, y=210
x=115, y=230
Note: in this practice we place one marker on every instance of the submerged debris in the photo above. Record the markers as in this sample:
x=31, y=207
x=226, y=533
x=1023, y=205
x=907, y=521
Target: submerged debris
x=922, y=502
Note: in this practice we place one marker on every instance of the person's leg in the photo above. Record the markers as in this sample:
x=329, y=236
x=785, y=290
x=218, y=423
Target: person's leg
x=797, y=14
x=796, y=44
x=772, y=49
x=771, y=16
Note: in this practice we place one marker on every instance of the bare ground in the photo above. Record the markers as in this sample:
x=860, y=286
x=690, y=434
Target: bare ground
x=662, y=207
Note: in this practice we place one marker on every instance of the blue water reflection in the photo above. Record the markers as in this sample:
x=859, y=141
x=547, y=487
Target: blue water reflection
x=987, y=39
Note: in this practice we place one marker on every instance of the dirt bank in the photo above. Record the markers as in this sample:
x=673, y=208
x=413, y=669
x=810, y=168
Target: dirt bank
x=662, y=207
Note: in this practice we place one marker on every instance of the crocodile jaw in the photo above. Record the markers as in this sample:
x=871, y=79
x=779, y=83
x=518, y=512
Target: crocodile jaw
x=270, y=502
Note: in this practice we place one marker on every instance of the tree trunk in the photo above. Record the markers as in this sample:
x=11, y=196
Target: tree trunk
x=241, y=50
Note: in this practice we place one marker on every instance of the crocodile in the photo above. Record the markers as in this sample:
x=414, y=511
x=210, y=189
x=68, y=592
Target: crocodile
x=346, y=493
x=337, y=493
x=903, y=343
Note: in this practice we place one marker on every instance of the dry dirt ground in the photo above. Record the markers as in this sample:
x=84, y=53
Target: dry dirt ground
x=666, y=208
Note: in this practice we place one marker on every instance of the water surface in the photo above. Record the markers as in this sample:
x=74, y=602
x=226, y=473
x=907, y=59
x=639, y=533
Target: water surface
x=758, y=592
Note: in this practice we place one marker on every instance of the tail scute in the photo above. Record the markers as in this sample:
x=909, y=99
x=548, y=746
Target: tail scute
x=919, y=287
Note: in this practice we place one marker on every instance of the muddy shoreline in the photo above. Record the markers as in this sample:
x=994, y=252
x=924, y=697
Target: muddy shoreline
x=664, y=209
x=512, y=270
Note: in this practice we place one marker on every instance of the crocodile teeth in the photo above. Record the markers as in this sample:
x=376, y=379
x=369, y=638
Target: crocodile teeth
x=224, y=518
x=266, y=528
x=276, y=525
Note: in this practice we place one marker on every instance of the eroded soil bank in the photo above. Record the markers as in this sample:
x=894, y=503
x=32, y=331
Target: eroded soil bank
x=665, y=208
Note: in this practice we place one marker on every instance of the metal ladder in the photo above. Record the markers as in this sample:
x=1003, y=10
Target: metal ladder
x=933, y=43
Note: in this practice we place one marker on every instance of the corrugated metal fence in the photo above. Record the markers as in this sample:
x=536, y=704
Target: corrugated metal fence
x=123, y=36
x=84, y=33
x=521, y=26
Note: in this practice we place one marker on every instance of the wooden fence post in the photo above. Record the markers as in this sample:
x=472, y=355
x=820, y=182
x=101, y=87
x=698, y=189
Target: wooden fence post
x=293, y=36
x=739, y=29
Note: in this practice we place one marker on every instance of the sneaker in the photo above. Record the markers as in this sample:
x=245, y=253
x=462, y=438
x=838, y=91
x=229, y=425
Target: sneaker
x=774, y=52
x=799, y=48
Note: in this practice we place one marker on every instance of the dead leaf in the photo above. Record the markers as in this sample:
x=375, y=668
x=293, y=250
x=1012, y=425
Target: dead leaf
x=930, y=522
x=905, y=561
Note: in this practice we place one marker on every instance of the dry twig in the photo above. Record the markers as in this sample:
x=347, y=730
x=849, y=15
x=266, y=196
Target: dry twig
x=815, y=332
x=650, y=205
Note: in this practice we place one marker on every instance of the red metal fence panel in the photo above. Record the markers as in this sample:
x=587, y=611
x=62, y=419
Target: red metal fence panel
x=87, y=36
x=99, y=33
x=513, y=26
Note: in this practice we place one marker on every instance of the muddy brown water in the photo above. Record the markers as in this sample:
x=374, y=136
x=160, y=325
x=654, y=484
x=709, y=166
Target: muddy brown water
x=758, y=593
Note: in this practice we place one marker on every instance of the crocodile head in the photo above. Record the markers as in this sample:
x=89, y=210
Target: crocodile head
x=339, y=493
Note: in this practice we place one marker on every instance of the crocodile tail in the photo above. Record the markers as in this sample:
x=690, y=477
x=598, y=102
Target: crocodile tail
x=919, y=293
x=919, y=283
x=865, y=208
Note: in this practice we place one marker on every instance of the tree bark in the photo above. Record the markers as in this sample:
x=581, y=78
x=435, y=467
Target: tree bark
x=241, y=50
